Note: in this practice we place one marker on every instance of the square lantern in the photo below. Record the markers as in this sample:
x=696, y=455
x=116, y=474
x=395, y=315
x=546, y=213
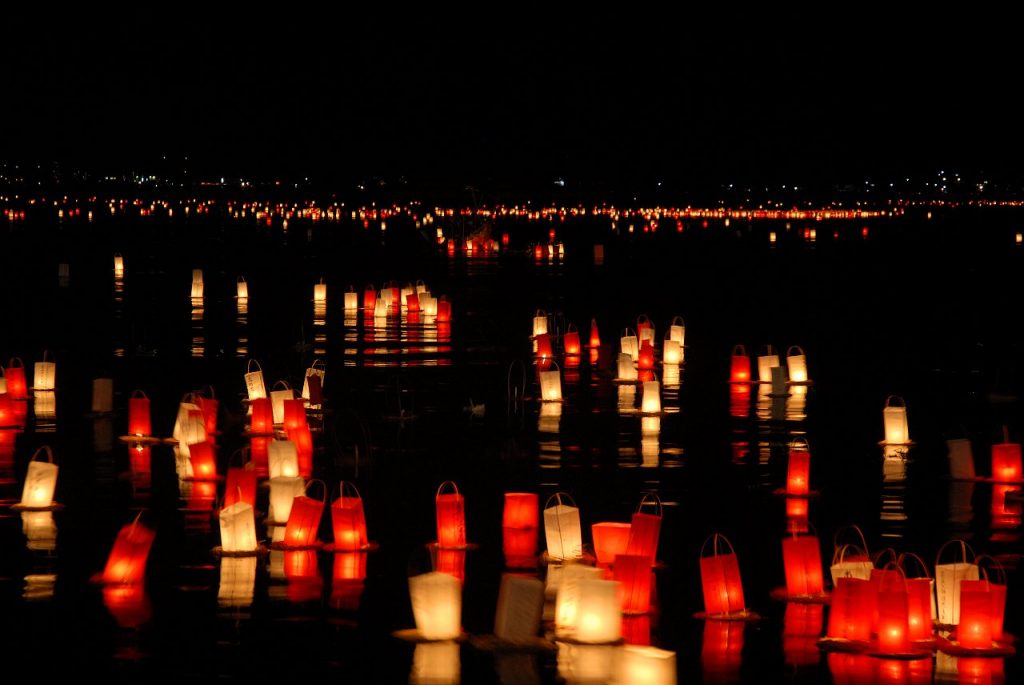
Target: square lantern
x=796, y=362
x=765, y=363
x=118, y=265
x=320, y=292
x=1006, y=462
x=254, y=384
x=369, y=297
x=127, y=561
x=562, y=528
x=650, y=401
x=894, y=418
x=919, y=608
x=540, y=323
x=520, y=510
x=294, y=414
x=948, y=577
x=961, y=459
x=348, y=520
x=435, y=663
x=520, y=604
x=645, y=356
x=543, y=349
x=283, y=492
x=436, y=605
x=610, y=539
x=801, y=557
x=241, y=289
x=644, y=665
x=551, y=385
x=566, y=581
x=203, y=461
x=40, y=481
x=671, y=352
x=237, y=528
x=798, y=472
x=892, y=622
x=850, y=616
x=302, y=436
x=44, y=375
x=283, y=459
x=974, y=630
x=304, y=519
x=599, y=613
x=635, y=578
x=645, y=528
x=571, y=341
x=262, y=420
x=739, y=367
x=451, y=516
x=626, y=368
x=720, y=579
x=17, y=388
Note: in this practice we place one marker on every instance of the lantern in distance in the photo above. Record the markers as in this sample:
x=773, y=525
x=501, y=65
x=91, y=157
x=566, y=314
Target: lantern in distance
x=118, y=265
x=643, y=665
x=127, y=561
x=240, y=486
x=348, y=520
x=237, y=528
x=765, y=363
x=595, y=335
x=540, y=323
x=975, y=628
x=645, y=529
x=520, y=510
x=17, y=388
x=254, y=384
x=571, y=341
x=895, y=421
x=444, y=311
x=304, y=519
x=720, y=579
x=351, y=300
x=566, y=583
x=451, y=516
x=283, y=459
x=369, y=297
x=283, y=491
x=203, y=461
x=801, y=557
x=671, y=352
x=40, y=481
x=739, y=370
x=262, y=420
x=241, y=289
x=562, y=528
x=850, y=616
x=634, y=575
x=44, y=375
x=551, y=385
x=599, y=613
x=320, y=292
x=645, y=356
x=294, y=414
x=629, y=344
x=798, y=473
x=650, y=402
x=644, y=329
x=436, y=605
x=626, y=368
x=1006, y=462
x=611, y=538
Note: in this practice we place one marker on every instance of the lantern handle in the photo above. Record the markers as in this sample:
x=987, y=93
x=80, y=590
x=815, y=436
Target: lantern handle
x=571, y=328
x=557, y=367
x=890, y=398
x=893, y=558
x=249, y=366
x=860, y=534
x=918, y=559
x=49, y=453
x=766, y=350
x=644, y=318
x=800, y=351
x=138, y=393
x=655, y=500
x=320, y=362
x=995, y=564
x=46, y=356
x=800, y=442
x=420, y=281
x=627, y=332
x=21, y=364
x=839, y=556
x=448, y=482
x=964, y=548
x=558, y=499
x=341, y=488
x=679, y=319
x=323, y=487
x=739, y=350
x=540, y=312
x=281, y=382
x=714, y=539
x=240, y=279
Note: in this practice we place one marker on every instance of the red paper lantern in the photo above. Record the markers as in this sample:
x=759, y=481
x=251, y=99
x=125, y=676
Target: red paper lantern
x=203, y=460
x=801, y=627
x=892, y=622
x=610, y=539
x=636, y=629
x=595, y=336
x=571, y=342
x=139, y=423
x=521, y=510
x=295, y=414
x=1006, y=462
x=451, y=562
x=519, y=546
x=919, y=609
x=127, y=561
x=444, y=311
x=8, y=418
x=645, y=529
x=851, y=614
x=645, y=358
x=801, y=556
x=259, y=453
x=303, y=439
x=262, y=421
x=720, y=579
x=17, y=388
x=348, y=520
x=369, y=298
x=240, y=486
x=798, y=474
x=451, y=517
x=633, y=573
x=739, y=371
x=544, y=346
x=304, y=519
x=643, y=323
x=975, y=628
x=209, y=408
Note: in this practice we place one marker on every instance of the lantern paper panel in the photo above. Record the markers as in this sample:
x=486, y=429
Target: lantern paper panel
x=127, y=561
x=238, y=528
x=635, y=578
x=540, y=323
x=610, y=539
x=562, y=529
x=721, y=653
x=595, y=335
x=798, y=473
x=350, y=566
x=626, y=368
x=17, y=387
x=919, y=608
x=240, y=486
x=283, y=492
x=765, y=364
x=1006, y=462
x=801, y=628
x=348, y=523
x=520, y=604
x=961, y=459
x=40, y=530
x=277, y=400
x=241, y=289
x=892, y=622
x=436, y=605
x=302, y=436
x=566, y=582
x=642, y=665
x=720, y=581
x=895, y=422
x=850, y=562
x=974, y=630
x=629, y=344
x=451, y=517
x=739, y=369
x=586, y=664
x=636, y=629
x=303, y=521
x=294, y=414
x=850, y=616
x=40, y=481
x=450, y=561
x=520, y=510
x=801, y=557
x=645, y=356
x=8, y=417
x=44, y=375
x=209, y=406
x=650, y=402
x=203, y=461
x=671, y=352
x=571, y=343
x=519, y=545
x=599, y=611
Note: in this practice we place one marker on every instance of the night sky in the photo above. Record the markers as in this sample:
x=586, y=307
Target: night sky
x=597, y=96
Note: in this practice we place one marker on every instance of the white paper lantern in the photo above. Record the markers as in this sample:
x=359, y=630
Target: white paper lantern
x=197, y=283
x=238, y=528
x=796, y=360
x=436, y=663
x=237, y=581
x=254, y=381
x=765, y=363
x=961, y=459
x=351, y=301
x=677, y=331
x=551, y=385
x=380, y=308
x=650, y=401
x=320, y=293
x=118, y=265
x=562, y=528
x=644, y=665
x=894, y=417
x=599, y=617
x=671, y=352
x=421, y=287
x=567, y=598
x=283, y=490
x=947, y=581
x=520, y=603
x=428, y=304
x=241, y=289
x=436, y=605
x=103, y=395
x=40, y=530
x=45, y=373
x=282, y=459
x=281, y=392
x=626, y=367
x=405, y=293
x=40, y=481
x=540, y=323
x=630, y=344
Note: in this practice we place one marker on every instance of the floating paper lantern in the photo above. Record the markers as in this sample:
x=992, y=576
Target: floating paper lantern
x=739, y=371
x=801, y=556
x=766, y=361
x=451, y=516
x=894, y=417
x=1006, y=462
x=520, y=510
x=626, y=368
x=127, y=561
x=567, y=581
x=237, y=528
x=610, y=539
x=369, y=297
x=283, y=491
x=262, y=420
x=645, y=529
x=241, y=289
x=519, y=545
x=562, y=528
x=645, y=356
x=294, y=414
x=303, y=439
x=40, y=481
x=436, y=605
x=599, y=618
x=304, y=518
x=650, y=401
x=435, y=663
x=102, y=395
x=351, y=300
x=444, y=311
x=45, y=405
x=798, y=472
x=540, y=323
x=947, y=581
x=380, y=309
x=595, y=335
x=892, y=622
x=634, y=575
x=45, y=373
x=796, y=362
x=551, y=385
x=720, y=579
x=254, y=384
x=571, y=341
x=348, y=520
x=852, y=608
x=543, y=344
x=644, y=329
x=313, y=384
x=961, y=459
x=974, y=630
x=17, y=388
x=320, y=293
x=283, y=459
x=197, y=283
x=643, y=665
x=281, y=392
x=677, y=331
x=630, y=344
x=209, y=406
x=118, y=265
x=671, y=352
x=203, y=461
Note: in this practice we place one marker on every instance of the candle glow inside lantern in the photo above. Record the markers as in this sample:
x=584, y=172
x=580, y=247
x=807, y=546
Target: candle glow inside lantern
x=948, y=577
x=127, y=561
x=595, y=334
x=254, y=384
x=520, y=510
x=283, y=491
x=320, y=293
x=118, y=265
x=1006, y=462
x=237, y=528
x=451, y=516
x=801, y=557
x=551, y=385
x=611, y=538
x=765, y=363
x=892, y=621
x=645, y=356
x=543, y=345
x=626, y=368
x=566, y=580
x=241, y=288
x=975, y=628
x=283, y=459
x=894, y=418
x=644, y=665
x=44, y=376
x=650, y=402
x=644, y=329
x=351, y=300
x=40, y=481
x=850, y=616
x=635, y=578
x=262, y=419
x=720, y=579
x=671, y=352
x=203, y=461
x=796, y=362
x=304, y=518
x=599, y=612
x=348, y=519
x=562, y=528
x=436, y=605
x=444, y=311
x=739, y=366
x=571, y=341
x=17, y=388
x=645, y=528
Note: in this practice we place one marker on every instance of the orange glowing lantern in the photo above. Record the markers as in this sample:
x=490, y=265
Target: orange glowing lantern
x=444, y=311
x=801, y=556
x=127, y=561
x=17, y=387
x=8, y=417
x=40, y=481
x=562, y=528
x=739, y=371
x=436, y=605
x=633, y=573
x=303, y=439
x=451, y=517
x=851, y=613
x=203, y=461
x=369, y=297
x=645, y=357
x=543, y=343
x=645, y=529
x=208, y=406
x=893, y=621
x=610, y=540
x=975, y=628
x=720, y=579
x=571, y=341
x=920, y=602
x=294, y=414
x=894, y=418
x=798, y=473
x=520, y=510
x=1006, y=462
x=262, y=422
x=304, y=518
x=348, y=520
x=283, y=459
x=240, y=486
x=139, y=423
x=997, y=592
x=595, y=336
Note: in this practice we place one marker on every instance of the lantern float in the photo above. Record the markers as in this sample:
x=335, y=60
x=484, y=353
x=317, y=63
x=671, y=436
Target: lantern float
x=796, y=363
x=348, y=520
x=645, y=529
x=436, y=605
x=626, y=369
x=895, y=422
x=240, y=484
x=565, y=582
x=118, y=265
x=127, y=561
x=671, y=352
x=948, y=577
x=610, y=539
x=650, y=401
x=540, y=323
x=45, y=373
x=739, y=369
x=304, y=519
x=850, y=615
x=562, y=528
x=720, y=580
x=451, y=517
x=40, y=482
x=599, y=612
x=974, y=630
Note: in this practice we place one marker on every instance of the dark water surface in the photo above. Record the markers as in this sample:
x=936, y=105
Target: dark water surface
x=926, y=310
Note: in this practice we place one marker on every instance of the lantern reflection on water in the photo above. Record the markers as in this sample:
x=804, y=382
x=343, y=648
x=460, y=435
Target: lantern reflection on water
x=237, y=581
x=599, y=611
x=796, y=362
x=520, y=604
x=850, y=616
x=14, y=374
x=650, y=402
x=721, y=653
x=283, y=459
x=640, y=665
x=1006, y=462
x=635, y=578
x=40, y=530
x=436, y=605
x=801, y=628
x=283, y=491
x=586, y=664
x=127, y=561
x=44, y=374
x=436, y=663
x=128, y=604
x=626, y=368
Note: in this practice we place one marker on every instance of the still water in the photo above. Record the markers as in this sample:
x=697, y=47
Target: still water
x=411, y=402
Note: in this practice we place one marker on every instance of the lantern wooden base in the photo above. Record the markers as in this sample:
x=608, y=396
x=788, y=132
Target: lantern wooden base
x=574, y=641
x=746, y=616
x=782, y=595
x=365, y=549
x=18, y=506
x=140, y=439
x=35, y=389
x=953, y=648
x=839, y=644
x=908, y=444
x=912, y=655
x=469, y=546
x=783, y=492
x=493, y=643
x=626, y=381
x=219, y=552
x=413, y=635
x=284, y=546
x=1002, y=481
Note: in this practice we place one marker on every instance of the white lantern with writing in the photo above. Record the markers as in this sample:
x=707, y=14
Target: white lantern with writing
x=630, y=344
x=540, y=323
x=600, y=612
x=626, y=368
x=551, y=385
x=562, y=528
x=894, y=417
x=436, y=605
x=238, y=528
x=796, y=360
x=947, y=581
x=40, y=481
x=254, y=381
x=282, y=459
x=45, y=373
